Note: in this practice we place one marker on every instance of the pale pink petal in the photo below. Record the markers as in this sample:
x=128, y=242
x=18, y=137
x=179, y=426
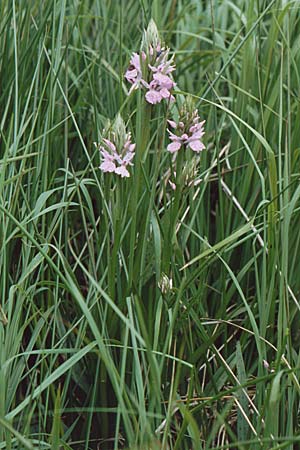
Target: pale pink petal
x=196, y=146
x=127, y=143
x=106, y=155
x=168, y=68
x=153, y=97
x=118, y=158
x=122, y=171
x=160, y=67
x=108, y=166
x=164, y=93
x=131, y=75
x=173, y=185
x=172, y=123
x=128, y=157
x=197, y=135
x=109, y=144
x=153, y=68
x=173, y=136
x=195, y=128
x=144, y=83
x=135, y=61
x=196, y=121
x=163, y=80
x=174, y=147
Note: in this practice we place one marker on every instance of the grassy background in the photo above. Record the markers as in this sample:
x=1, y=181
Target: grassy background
x=92, y=354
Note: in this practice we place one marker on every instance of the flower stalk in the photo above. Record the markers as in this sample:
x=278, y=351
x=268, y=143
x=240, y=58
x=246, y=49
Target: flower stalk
x=143, y=136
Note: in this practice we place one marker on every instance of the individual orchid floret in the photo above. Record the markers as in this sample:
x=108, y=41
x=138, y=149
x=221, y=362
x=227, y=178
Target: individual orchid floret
x=151, y=69
x=134, y=72
x=188, y=131
x=116, y=150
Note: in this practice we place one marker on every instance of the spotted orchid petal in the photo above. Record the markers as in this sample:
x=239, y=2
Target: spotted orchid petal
x=122, y=171
x=153, y=96
x=196, y=146
x=108, y=166
x=163, y=81
x=174, y=146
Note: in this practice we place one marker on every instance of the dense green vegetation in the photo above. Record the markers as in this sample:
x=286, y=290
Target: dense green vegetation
x=133, y=316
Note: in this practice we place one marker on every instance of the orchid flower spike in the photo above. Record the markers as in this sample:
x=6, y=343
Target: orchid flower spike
x=151, y=69
x=188, y=131
x=116, y=149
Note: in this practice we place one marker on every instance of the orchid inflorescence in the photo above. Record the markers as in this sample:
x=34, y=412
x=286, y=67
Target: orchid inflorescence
x=160, y=67
x=117, y=151
x=188, y=133
x=151, y=71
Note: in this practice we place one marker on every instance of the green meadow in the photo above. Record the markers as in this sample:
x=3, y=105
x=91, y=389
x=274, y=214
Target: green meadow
x=149, y=224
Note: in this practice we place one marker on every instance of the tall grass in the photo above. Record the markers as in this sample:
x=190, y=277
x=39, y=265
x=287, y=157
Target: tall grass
x=98, y=350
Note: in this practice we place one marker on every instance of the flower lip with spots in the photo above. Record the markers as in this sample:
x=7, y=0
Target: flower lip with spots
x=134, y=72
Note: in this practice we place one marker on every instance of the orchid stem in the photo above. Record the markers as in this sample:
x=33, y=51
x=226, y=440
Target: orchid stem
x=143, y=134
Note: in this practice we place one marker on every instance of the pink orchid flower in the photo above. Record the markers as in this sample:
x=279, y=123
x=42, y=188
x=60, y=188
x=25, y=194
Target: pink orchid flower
x=114, y=160
x=159, y=84
x=134, y=72
x=192, y=138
